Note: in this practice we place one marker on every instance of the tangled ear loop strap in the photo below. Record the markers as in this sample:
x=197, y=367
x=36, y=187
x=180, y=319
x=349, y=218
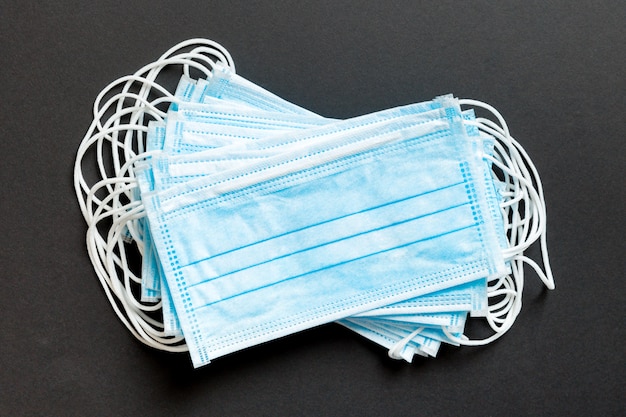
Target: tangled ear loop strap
x=120, y=122
x=523, y=186
x=204, y=52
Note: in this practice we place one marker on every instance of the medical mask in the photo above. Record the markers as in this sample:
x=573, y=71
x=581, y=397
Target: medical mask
x=444, y=210
x=114, y=201
x=191, y=163
x=177, y=169
x=201, y=117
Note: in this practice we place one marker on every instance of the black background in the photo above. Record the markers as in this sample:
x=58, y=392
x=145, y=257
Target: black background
x=555, y=69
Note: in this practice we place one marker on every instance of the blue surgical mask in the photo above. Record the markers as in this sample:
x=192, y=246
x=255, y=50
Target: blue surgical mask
x=443, y=301
x=328, y=247
x=176, y=169
x=197, y=127
x=196, y=121
x=163, y=180
x=193, y=115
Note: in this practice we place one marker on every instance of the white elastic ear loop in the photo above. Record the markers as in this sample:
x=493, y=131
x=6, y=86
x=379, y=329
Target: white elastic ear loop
x=105, y=133
x=186, y=59
x=101, y=249
x=525, y=161
x=108, y=274
x=100, y=108
x=502, y=134
x=222, y=52
x=147, y=83
x=93, y=234
x=111, y=289
x=535, y=207
x=505, y=311
x=502, y=315
x=108, y=203
x=126, y=171
x=519, y=227
x=109, y=134
x=396, y=350
x=203, y=53
x=111, y=206
x=80, y=184
x=210, y=52
x=537, y=219
x=132, y=128
x=153, y=70
x=141, y=325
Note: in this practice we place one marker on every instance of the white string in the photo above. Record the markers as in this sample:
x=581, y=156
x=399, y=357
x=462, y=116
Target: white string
x=116, y=138
x=524, y=215
x=395, y=352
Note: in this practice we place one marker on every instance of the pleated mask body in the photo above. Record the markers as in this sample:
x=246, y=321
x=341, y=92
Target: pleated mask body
x=193, y=127
x=199, y=122
x=324, y=232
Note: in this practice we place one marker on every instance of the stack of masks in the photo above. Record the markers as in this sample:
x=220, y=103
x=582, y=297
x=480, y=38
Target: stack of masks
x=256, y=218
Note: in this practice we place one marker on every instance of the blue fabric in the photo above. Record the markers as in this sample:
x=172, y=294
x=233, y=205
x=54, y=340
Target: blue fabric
x=294, y=248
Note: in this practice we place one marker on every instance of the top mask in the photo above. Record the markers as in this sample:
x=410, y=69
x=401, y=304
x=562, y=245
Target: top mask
x=200, y=122
x=370, y=223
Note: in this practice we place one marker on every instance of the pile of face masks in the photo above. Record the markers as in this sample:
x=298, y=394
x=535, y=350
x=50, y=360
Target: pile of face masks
x=255, y=218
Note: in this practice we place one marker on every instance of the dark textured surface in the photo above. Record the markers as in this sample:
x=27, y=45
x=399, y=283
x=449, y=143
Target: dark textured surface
x=554, y=69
